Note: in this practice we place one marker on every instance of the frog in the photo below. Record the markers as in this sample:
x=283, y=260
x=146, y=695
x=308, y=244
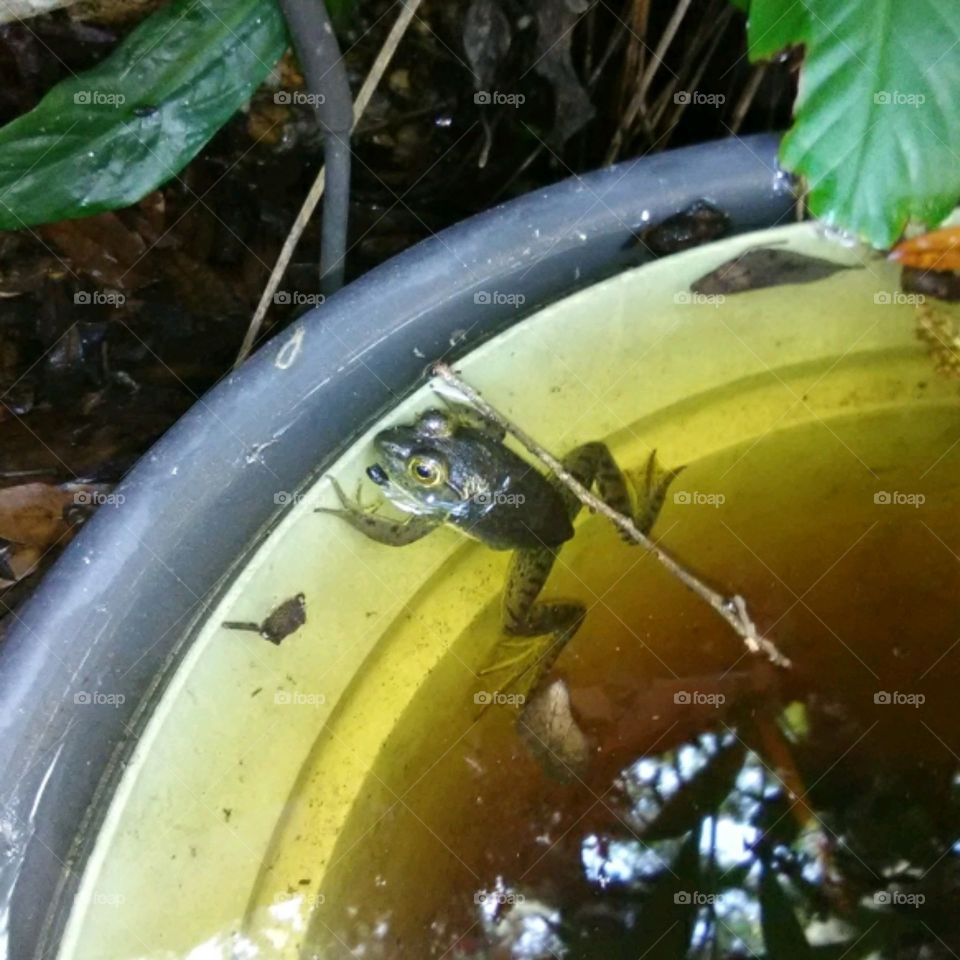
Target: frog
x=453, y=468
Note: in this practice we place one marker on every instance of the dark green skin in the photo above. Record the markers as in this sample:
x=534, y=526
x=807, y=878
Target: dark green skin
x=483, y=489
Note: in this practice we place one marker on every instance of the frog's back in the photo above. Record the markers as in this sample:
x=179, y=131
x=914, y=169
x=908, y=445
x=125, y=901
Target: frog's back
x=519, y=509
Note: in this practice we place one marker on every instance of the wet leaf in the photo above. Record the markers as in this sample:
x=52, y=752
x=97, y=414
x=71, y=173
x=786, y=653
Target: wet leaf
x=773, y=25
x=550, y=730
x=700, y=223
x=556, y=20
x=700, y=796
x=33, y=513
x=939, y=284
x=17, y=560
x=486, y=40
x=766, y=267
x=937, y=250
x=105, y=138
x=877, y=127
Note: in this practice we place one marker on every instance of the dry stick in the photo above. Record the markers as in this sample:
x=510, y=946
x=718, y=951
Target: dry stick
x=316, y=191
x=732, y=609
x=746, y=98
x=639, y=99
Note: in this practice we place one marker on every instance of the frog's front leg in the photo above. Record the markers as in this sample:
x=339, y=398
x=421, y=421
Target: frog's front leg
x=394, y=533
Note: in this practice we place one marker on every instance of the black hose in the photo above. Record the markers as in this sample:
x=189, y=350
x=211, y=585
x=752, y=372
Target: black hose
x=317, y=50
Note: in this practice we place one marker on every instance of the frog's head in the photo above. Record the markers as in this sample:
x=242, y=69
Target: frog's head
x=452, y=467
x=429, y=467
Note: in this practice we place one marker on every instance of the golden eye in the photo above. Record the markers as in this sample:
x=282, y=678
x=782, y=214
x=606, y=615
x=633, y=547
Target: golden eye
x=426, y=470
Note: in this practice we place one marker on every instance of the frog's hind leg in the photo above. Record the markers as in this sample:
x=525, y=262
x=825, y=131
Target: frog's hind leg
x=524, y=620
x=639, y=496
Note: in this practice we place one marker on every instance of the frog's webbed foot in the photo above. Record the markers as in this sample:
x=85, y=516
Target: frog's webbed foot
x=650, y=490
x=531, y=647
x=536, y=632
x=394, y=533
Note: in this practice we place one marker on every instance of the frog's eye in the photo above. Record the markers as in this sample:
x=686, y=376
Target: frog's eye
x=427, y=471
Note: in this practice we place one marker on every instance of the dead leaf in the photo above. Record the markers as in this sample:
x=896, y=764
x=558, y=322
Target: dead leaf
x=937, y=250
x=766, y=267
x=550, y=730
x=556, y=20
x=33, y=513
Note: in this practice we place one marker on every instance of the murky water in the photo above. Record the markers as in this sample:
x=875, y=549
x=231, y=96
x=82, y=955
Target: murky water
x=729, y=809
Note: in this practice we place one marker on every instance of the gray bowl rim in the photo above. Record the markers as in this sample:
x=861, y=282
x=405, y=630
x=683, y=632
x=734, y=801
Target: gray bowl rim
x=117, y=612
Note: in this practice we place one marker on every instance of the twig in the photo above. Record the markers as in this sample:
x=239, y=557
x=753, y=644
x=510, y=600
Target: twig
x=316, y=191
x=746, y=98
x=638, y=102
x=732, y=609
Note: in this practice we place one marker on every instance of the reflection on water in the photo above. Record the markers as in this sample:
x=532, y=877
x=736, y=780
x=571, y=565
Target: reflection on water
x=730, y=809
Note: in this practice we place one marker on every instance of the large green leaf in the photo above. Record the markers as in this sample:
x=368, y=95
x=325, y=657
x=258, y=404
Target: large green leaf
x=774, y=25
x=877, y=128
x=107, y=137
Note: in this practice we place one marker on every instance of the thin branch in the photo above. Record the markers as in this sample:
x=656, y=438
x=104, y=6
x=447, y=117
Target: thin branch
x=370, y=84
x=732, y=609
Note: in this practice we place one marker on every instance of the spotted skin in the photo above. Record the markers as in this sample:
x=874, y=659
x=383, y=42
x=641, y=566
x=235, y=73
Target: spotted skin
x=517, y=509
x=522, y=615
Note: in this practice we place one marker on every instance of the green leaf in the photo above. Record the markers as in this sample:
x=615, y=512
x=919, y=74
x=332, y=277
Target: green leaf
x=877, y=130
x=774, y=25
x=106, y=138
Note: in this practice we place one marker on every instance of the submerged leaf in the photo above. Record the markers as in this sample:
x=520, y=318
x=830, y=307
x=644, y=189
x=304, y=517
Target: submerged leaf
x=107, y=137
x=765, y=267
